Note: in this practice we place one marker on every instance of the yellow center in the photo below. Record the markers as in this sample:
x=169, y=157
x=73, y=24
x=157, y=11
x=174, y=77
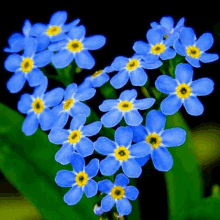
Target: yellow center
x=158, y=48
x=122, y=153
x=68, y=104
x=183, y=91
x=38, y=105
x=125, y=105
x=154, y=140
x=75, y=46
x=193, y=51
x=53, y=30
x=27, y=65
x=97, y=73
x=132, y=64
x=81, y=178
x=117, y=192
x=74, y=136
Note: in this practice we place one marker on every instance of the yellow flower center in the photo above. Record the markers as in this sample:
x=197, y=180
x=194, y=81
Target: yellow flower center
x=193, y=51
x=53, y=30
x=154, y=140
x=117, y=192
x=74, y=136
x=122, y=153
x=158, y=48
x=38, y=105
x=183, y=90
x=75, y=46
x=125, y=105
x=68, y=104
x=132, y=64
x=97, y=73
x=27, y=65
x=81, y=178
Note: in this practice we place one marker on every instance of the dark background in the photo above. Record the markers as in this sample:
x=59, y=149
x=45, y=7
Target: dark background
x=123, y=23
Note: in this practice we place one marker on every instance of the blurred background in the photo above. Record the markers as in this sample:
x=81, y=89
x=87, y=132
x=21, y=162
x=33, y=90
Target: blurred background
x=123, y=23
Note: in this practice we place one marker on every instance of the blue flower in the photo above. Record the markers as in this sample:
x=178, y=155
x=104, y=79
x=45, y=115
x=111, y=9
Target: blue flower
x=131, y=68
x=157, y=47
x=76, y=46
x=37, y=107
x=98, y=210
x=74, y=139
x=126, y=106
x=156, y=140
x=25, y=67
x=167, y=27
x=54, y=31
x=120, y=153
x=72, y=104
x=80, y=179
x=118, y=193
x=195, y=50
x=183, y=91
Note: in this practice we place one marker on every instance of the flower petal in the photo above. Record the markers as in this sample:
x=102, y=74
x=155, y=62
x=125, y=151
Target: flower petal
x=179, y=48
x=30, y=124
x=104, y=146
x=91, y=129
x=58, y=18
x=184, y=73
x=193, y=61
x=77, y=33
x=107, y=203
x=16, y=82
x=128, y=95
x=107, y=105
x=63, y=155
x=94, y=42
x=171, y=105
x=62, y=59
x=70, y=90
x=121, y=180
x=111, y=118
x=109, y=166
x=141, y=47
x=123, y=207
x=139, y=133
x=24, y=104
x=58, y=135
x=85, y=147
x=119, y=63
x=193, y=106
x=91, y=188
x=123, y=136
x=30, y=47
x=65, y=178
x=120, y=79
x=35, y=77
x=143, y=160
x=13, y=62
x=46, y=119
x=140, y=149
x=167, y=22
x=205, y=42
x=92, y=168
x=187, y=36
x=53, y=97
x=85, y=94
x=166, y=84
x=77, y=162
x=131, y=192
x=85, y=60
x=41, y=89
x=133, y=118
x=73, y=196
x=105, y=186
x=168, y=54
x=138, y=77
x=131, y=168
x=203, y=86
x=143, y=104
x=77, y=121
x=208, y=57
x=154, y=36
x=151, y=66
x=42, y=58
x=79, y=108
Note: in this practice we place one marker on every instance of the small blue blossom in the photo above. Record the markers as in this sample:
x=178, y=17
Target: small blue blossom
x=120, y=153
x=125, y=107
x=80, y=179
x=75, y=47
x=72, y=104
x=54, y=31
x=131, y=68
x=156, y=140
x=183, y=91
x=118, y=193
x=37, y=107
x=195, y=50
x=157, y=47
x=98, y=210
x=26, y=67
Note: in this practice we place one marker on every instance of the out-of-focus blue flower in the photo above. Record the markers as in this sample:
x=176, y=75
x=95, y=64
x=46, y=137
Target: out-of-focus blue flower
x=74, y=139
x=80, y=179
x=157, y=47
x=195, y=50
x=98, y=210
x=167, y=26
x=72, y=104
x=183, y=91
x=126, y=106
x=120, y=153
x=156, y=140
x=54, y=31
x=131, y=68
x=75, y=47
x=26, y=67
x=37, y=107
x=118, y=193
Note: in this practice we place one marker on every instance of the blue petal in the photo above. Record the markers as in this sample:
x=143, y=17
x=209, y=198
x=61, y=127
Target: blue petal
x=123, y=207
x=104, y=146
x=109, y=166
x=85, y=147
x=154, y=25
x=77, y=162
x=91, y=129
x=205, y=42
x=131, y=192
x=187, y=36
x=13, y=62
x=30, y=47
x=70, y=90
x=58, y=45
x=62, y=59
x=171, y=39
x=151, y=66
x=168, y=54
x=138, y=77
x=100, y=80
x=74, y=195
x=53, y=97
x=184, y=73
x=143, y=160
x=165, y=84
x=107, y=203
x=207, y=57
x=30, y=124
x=123, y=136
x=94, y=42
x=111, y=118
x=91, y=188
x=180, y=23
x=150, y=58
x=167, y=22
x=40, y=89
x=77, y=33
x=140, y=149
x=63, y=155
x=58, y=18
x=84, y=94
x=141, y=47
x=105, y=186
x=193, y=106
x=46, y=119
x=58, y=136
x=180, y=49
x=131, y=168
x=16, y=82
x=173, y=137
x=42, y=42
x=42, y=58
x=77, y=121
x=193, y=61
x=58, y=37
x=155, y=121
x=154, y=36
x=85, y=60
x=60, y=117
x=37, y=29
x=107, y=105
x=203, y=86
x=119, y=63
x=72, y=24
x=120, y=79
x=65, y=178
x=92, y=168
x=143, y=104
x=121, y=180
x=79, y=108
x=35, y=77
x=24, y=104
x=133, y=118
x=171, y=105
x=139, y=133
x=128, y=95
x=162, y=159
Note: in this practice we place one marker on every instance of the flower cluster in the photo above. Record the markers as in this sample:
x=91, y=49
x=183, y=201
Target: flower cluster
x=64, y=113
